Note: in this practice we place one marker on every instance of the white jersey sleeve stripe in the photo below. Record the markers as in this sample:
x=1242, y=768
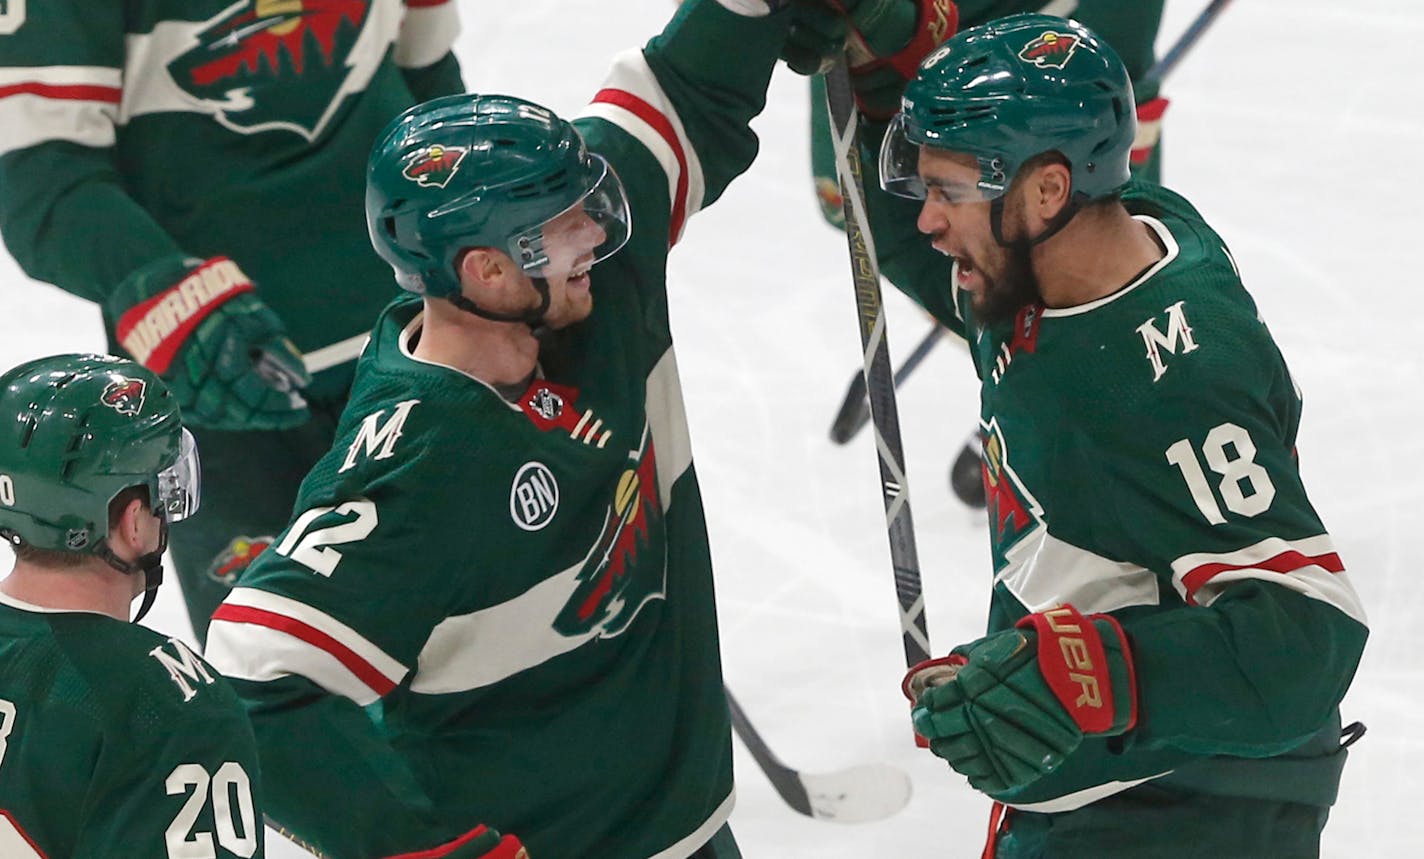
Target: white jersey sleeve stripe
x=667, y=418
x=260, y=636
x=78, y=104
x=632, y=100
x=427, y=34
x=1309, y=566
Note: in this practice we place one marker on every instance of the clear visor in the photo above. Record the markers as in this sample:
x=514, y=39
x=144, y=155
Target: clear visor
x=900, y=162
x=599, y=221
x=180, y=484
x=900, y=172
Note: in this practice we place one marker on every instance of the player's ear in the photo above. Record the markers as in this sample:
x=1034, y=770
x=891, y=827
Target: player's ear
x=483, y=266
x=1053, y=186
x=128, y=527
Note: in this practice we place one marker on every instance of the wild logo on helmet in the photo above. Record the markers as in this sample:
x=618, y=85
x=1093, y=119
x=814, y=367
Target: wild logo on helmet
x=1051, y=50
x=124, y=395
x=435, y=166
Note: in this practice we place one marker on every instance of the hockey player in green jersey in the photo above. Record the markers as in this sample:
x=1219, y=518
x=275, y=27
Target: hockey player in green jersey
x=114, y=741
x=1171, y=629
x=194, y=167
x=495, y=603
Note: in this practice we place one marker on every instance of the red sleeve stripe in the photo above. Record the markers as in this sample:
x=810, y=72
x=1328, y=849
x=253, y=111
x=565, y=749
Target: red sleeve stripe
x=659, y=123
x=1285, y=562
x=67, y=92
x=353, y=662
x=424, y=4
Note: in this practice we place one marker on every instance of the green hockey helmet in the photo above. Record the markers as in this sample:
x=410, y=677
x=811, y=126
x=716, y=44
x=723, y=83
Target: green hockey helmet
x=1011, y=89
x=467, y=171
x=78, y=430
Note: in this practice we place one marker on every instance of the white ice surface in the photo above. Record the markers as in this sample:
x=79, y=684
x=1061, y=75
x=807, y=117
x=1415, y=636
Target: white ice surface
x=1294, y=127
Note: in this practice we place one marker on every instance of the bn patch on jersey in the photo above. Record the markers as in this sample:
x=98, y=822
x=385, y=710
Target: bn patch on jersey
x=534, y=496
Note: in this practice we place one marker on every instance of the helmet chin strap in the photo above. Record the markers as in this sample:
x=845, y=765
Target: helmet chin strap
x=533, y=318
x=149, y=565
x=1060, y=220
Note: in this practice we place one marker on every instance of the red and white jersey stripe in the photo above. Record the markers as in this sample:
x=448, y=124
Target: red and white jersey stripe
x=632, y=100
x=78, y=104
x=1309, y=566
x=260, y=636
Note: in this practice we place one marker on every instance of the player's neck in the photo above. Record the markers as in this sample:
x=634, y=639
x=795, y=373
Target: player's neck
x=497, y=353
x=1099, y=252
x=93, y=586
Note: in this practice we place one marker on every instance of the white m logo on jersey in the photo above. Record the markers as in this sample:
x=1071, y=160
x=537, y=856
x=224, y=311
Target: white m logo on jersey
x=187, y=670
x=379, y=442
x=1178, y=331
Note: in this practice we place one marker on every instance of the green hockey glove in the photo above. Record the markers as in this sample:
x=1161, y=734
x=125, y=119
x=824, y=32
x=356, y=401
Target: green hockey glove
x=479, y=843
x=884, y=42
x=1010, y=707
x=224, y=354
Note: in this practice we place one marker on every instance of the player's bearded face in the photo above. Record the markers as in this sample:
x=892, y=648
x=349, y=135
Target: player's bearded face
x=1010, y=284
x=956, y=217
x=570, y=240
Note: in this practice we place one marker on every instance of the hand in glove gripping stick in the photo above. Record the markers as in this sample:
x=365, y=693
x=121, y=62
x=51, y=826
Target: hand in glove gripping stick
x=1008, y=708
x=884, y=42
x=224, y=354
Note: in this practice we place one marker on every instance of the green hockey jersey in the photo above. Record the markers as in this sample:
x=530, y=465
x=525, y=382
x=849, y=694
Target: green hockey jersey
x=116, y=742
x=502, y=612
x=138, y=131
x=1139, y=459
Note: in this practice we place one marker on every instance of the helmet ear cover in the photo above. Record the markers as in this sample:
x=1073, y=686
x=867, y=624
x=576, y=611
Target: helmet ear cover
x=470, y=171
x=1012, y=89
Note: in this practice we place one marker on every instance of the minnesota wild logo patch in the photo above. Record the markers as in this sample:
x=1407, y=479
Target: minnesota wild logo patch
x=265, y=65
x=435, y=166
x=1051, y=50
x=1013, y=511
x=625, y=567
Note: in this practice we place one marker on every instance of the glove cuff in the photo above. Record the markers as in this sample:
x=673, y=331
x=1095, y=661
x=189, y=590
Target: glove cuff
x=935, y=22
x=478, y=843
x=938, y=20
x=1149, y=129
x=152, y=329
x=1087, y=664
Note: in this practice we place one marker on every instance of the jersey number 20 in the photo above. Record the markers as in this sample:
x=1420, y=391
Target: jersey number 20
x=234, y=817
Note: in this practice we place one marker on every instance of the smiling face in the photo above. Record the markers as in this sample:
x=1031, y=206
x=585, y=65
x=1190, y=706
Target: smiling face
x=956, y=217
x=570, y=240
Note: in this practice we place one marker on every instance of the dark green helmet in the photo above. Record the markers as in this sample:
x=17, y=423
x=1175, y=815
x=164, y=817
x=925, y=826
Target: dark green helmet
x=468, y=171
x=78, y=430
x=1011, y=89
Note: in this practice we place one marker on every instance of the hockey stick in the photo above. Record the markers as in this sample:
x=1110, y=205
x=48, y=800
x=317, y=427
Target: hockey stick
x=1184, y=43
x=858, y=794
x=865, y=274
x=855, y=411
